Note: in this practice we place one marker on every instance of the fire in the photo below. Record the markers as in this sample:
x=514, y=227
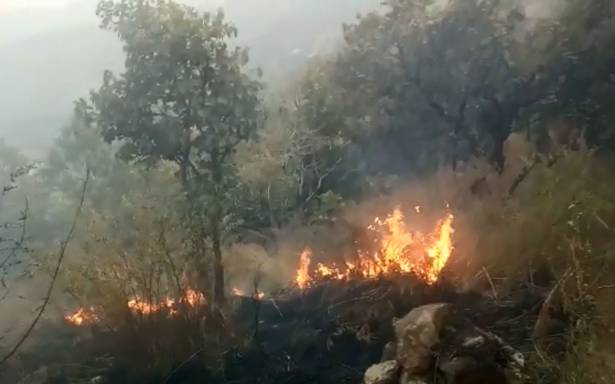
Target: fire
x=399, y=251
x=259, y=295
x=81, y=316
x=139, y=306
x=238, y=292
x=194, y=298
x=143, y=307
x=191, y=297
x=441, y=250
x=303, y=272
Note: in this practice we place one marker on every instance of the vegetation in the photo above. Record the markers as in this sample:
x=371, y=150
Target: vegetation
x=502, y=114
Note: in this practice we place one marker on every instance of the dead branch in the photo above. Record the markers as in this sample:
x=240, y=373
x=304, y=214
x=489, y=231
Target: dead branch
x=321, y=178
x=493, y=290
x=548, y=304
x=56, y=272
x=18, y=245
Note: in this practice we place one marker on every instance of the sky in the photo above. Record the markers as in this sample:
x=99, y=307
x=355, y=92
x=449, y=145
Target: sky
x=52, y=52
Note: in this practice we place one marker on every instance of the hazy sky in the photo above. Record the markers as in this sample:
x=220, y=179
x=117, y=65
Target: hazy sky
x=52, y=52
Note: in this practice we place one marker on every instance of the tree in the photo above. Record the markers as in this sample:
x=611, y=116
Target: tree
x=284, y=170
x=573, y=50
x=184, y=97
x=431, y=82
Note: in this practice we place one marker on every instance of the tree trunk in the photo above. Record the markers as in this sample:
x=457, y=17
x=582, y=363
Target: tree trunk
x=219, y=297
x=216, y=233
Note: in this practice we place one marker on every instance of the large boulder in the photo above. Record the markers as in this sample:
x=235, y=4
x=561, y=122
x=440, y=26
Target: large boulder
x=383, y=373
x=417, y=334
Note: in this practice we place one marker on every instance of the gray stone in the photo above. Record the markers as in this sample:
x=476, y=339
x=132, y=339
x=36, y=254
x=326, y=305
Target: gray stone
x=383, y=373
x=417, y=334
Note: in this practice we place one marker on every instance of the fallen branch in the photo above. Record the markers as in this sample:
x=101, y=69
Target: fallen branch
x=56, y=272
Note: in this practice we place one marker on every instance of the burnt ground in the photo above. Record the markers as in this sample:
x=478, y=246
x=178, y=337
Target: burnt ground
x=329, y=333
x=334, y=331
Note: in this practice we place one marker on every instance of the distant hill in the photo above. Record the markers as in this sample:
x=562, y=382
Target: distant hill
x=44, y=68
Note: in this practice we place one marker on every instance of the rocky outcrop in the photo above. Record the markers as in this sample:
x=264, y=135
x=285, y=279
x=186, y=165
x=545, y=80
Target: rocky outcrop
x=417, y=334
x=383, y=373
x=466, y=354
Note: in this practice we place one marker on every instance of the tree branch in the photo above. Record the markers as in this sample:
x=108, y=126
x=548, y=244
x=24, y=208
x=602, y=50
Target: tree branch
x=56, y=272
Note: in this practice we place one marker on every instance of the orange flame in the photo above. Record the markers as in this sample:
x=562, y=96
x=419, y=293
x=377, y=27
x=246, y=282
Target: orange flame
x=194, y=298
x=303, y=272
x=239, y=292
x=441, y=250
x=81, y=316
x=400, y=251
x=137, y=305
x=191, y=297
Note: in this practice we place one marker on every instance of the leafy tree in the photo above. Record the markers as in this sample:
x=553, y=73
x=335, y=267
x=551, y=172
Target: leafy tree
x=431, y=82
x=184, y=97
x=573, y=52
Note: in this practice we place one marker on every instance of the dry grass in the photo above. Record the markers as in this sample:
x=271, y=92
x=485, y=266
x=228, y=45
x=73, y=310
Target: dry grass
x=556, y=232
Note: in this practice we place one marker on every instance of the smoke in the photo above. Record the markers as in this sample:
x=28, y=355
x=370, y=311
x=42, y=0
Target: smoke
x=543, y=9
x=468, y=193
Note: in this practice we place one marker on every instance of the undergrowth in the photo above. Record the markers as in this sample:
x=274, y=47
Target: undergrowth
x=555, y=233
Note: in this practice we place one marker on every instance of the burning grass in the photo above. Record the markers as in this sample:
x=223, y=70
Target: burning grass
x=398, y=250
x=192, y=299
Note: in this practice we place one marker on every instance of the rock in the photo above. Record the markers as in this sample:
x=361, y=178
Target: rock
x=466, y=370
x=417, y=334
x=474, y=342
x=482, y=357
x=383, y=373
x=388, y=352
x=96, y=380
x=407, y=378
x=514, y=360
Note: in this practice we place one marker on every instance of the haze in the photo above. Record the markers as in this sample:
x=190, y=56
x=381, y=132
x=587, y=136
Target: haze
x=52, y=52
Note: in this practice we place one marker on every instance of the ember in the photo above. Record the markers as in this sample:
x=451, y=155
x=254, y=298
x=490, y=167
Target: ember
x=400, y=251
